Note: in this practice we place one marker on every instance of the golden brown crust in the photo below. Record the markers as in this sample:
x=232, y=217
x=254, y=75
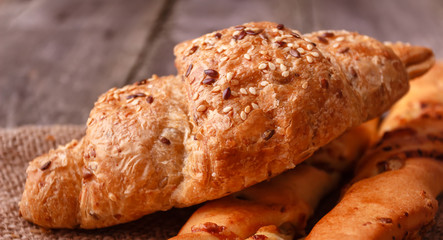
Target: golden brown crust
x=396, y=183
x=153, y=143
x=288, y=200
x=281, y=107
x=417, y=60
x=51, y=195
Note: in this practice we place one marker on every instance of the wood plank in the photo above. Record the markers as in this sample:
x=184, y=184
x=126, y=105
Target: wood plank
x=417, y=22
x=193, y=18
x=58, y=56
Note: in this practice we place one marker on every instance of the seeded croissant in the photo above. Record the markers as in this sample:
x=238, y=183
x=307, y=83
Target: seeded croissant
x=256, y=100
x=397, y=182
x=286, y=201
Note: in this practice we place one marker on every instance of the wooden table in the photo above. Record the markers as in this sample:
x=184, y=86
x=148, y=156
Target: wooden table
x=58, y=56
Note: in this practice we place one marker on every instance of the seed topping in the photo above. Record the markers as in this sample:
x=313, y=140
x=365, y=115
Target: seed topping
x=165, y=140
x=262, y=66
x=328, y=34
x=150, y=99
x=294, y=53
x=268, y=134
x=189, y=70
x=192, y=50
x=201, y=108
x=227, y=109
x=322, y=39
x=227, y=93
x=45, y=166
x=208, y=81
x=343, y=50
x=211, y=73
x=136, y=95
x=280, y=26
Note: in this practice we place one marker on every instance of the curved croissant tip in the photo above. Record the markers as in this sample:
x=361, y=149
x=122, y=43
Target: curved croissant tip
x=417, y=59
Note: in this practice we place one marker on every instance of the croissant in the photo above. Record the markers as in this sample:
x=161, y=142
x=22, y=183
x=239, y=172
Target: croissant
x=287, y=201
x=256, y=99
x=393, y=195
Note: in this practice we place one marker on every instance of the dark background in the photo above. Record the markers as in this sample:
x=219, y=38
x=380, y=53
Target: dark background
x=58, y=56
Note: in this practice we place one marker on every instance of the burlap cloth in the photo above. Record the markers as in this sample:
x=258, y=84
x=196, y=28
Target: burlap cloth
x=19, y=146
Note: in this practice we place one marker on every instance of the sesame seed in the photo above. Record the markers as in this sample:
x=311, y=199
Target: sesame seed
x=150, y=99
x=339, y=39
x=252, y=91
x=264, y=42
x=227, y=109
x=165, y=140
x=336, y=45
x=112, y=197
x=201, y=108
x=264, y=83
x=254, y=105
x=294, y=53
x=211, y=73
x=279, y=60
x=243, y=115
x=280, y=26
x=248, y=109
x=283, y=67
x=227, y=93
x=246, y=56
x=300, y=50
x=315, y=54
x=278, y=38
x=234, y=82
x=45, y=166
x=304, y=85
x=215, y=89
x=285, y=73
x=234, y=94
x=271, y=66
x=208, y=81
x=310, y=47
x=223, y=59
x=229, y=76
x=262, y=66
x=189, y=70
x=309, y=59
x=243, y=91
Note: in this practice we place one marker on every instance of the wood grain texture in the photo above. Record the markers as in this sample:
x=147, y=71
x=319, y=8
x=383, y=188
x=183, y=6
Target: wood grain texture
x=58, y=56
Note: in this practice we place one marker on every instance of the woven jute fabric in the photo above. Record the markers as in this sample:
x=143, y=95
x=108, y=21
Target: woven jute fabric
x=20, y=145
